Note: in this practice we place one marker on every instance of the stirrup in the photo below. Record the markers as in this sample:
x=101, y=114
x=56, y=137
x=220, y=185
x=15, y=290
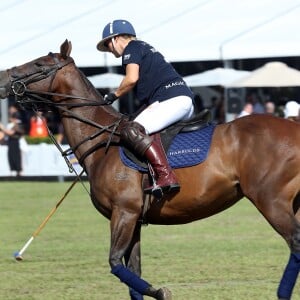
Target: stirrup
x=158, y=191
x=155, y=190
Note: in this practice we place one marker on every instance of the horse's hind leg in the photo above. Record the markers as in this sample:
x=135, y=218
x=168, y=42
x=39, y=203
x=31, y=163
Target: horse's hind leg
x=124, y=238
x=283, y=219
x=289, y=277
x=292, y=268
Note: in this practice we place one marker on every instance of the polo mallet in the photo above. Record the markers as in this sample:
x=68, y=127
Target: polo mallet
x=18, y=254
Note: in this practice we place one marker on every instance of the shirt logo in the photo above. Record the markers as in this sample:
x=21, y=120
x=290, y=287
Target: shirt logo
x=176, y=83
x=127, y=56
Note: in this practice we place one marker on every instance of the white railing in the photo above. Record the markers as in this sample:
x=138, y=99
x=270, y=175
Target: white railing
x=39, y=160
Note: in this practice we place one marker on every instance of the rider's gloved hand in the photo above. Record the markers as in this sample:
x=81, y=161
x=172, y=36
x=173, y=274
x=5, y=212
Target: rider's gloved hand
x=110, y=98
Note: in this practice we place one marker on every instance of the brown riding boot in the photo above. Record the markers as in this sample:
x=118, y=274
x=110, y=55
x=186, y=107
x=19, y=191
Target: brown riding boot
x=166, y=181
x=133, y=134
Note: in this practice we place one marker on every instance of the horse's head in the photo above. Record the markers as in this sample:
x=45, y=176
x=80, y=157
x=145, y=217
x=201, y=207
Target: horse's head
x=37, y=75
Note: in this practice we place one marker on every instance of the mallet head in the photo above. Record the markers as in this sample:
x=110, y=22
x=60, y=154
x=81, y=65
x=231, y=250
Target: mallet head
x=17, y=256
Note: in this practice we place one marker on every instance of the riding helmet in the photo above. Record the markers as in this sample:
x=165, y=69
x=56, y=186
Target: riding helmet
x=112, y=29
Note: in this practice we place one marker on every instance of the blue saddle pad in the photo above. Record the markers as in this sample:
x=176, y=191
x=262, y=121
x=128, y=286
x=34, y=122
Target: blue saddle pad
x=187, y=149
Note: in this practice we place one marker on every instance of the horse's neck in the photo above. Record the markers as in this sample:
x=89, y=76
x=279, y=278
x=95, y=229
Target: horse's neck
x=85, y=125
x=85, y=128
x=83, y=122
x=89, y=142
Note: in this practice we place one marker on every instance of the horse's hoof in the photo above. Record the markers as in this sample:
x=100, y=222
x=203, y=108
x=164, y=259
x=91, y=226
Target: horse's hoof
x=164, y=294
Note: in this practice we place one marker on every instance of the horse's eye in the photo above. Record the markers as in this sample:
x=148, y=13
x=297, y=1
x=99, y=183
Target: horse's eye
x=38, y=64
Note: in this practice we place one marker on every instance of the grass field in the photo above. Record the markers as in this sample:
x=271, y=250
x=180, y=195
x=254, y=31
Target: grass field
x=233, y=255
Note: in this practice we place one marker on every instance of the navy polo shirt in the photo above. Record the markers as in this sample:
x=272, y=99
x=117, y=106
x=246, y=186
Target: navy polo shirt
x=158, y=80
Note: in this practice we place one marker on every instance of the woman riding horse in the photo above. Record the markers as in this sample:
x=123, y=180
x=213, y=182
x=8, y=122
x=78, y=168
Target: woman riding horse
x=156, y=84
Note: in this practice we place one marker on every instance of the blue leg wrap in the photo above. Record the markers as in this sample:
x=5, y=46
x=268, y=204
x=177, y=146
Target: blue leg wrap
x=134, y=295
x=289, y=277
x=131, y=279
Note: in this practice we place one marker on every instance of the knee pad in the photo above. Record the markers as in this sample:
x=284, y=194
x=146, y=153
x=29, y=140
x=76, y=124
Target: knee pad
x=134, y=136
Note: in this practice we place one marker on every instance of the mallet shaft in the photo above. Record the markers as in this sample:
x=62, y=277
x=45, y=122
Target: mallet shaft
x=18, y=255
x=26, y=246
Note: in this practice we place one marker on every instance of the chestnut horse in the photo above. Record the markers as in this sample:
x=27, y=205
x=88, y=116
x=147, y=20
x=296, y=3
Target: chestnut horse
x=257, y=157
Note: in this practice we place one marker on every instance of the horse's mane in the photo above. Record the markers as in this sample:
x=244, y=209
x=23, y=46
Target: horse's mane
x=111, y=110
x=89, y=84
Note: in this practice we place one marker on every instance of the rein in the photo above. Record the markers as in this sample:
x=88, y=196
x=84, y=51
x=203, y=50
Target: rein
x=112, y=128
x=25, y=97
x=36, y=94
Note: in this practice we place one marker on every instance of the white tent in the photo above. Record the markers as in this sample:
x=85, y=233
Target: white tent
x=191, y=30
x=272, y=74
x=106, y=80
x=273, y=37
x=217, y=76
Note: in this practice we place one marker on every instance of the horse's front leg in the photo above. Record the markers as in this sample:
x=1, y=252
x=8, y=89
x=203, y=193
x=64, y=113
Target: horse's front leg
x=125, y=243
x=133, y=259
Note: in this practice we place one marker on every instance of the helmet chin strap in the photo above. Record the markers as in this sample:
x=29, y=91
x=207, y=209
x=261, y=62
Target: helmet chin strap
x=114, y=46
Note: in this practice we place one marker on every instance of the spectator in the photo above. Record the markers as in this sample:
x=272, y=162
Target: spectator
x=2, y=138
x=258, y=108
x=291, y=111
x=270, y=108
x=14, y=133
x=218, y=110
x=247, y=110
x=61, y=137
x=198, y=103
x=38, y=126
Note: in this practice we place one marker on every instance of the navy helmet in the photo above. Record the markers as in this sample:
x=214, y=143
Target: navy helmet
x=112, y=29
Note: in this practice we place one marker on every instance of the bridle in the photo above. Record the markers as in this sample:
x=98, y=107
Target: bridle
x=32, y=99
x=19, y=83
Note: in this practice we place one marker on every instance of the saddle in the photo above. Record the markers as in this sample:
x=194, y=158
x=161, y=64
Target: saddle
x=200, y=120
x=197, y=122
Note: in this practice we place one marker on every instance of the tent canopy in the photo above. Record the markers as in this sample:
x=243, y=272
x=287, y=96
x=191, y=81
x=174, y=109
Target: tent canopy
x=106, y=80
x=217, y=76
x=272, y=74
x=191, y=30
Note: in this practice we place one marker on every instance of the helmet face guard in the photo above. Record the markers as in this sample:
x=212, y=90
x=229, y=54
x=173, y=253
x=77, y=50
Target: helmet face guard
x=114, y=28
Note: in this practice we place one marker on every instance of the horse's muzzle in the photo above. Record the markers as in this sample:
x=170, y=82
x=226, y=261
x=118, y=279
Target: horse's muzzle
x=4, y=84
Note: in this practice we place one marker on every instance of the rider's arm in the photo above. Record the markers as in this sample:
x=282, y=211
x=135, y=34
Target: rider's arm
x=129, y=81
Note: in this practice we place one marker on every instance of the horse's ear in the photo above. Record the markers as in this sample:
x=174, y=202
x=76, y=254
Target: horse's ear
x=65, y=49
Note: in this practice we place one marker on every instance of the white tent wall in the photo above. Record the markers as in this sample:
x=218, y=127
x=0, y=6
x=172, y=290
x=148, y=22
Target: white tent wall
x=191, y=30
x=276, y=36
x=184, y=31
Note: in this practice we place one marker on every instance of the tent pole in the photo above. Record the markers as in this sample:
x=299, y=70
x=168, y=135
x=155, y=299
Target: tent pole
x=4, y=111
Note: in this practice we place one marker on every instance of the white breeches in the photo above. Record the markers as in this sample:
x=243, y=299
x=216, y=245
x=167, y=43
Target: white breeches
x=160, y=115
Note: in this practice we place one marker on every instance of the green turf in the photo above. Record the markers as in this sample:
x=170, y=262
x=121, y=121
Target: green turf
x=233, y=255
